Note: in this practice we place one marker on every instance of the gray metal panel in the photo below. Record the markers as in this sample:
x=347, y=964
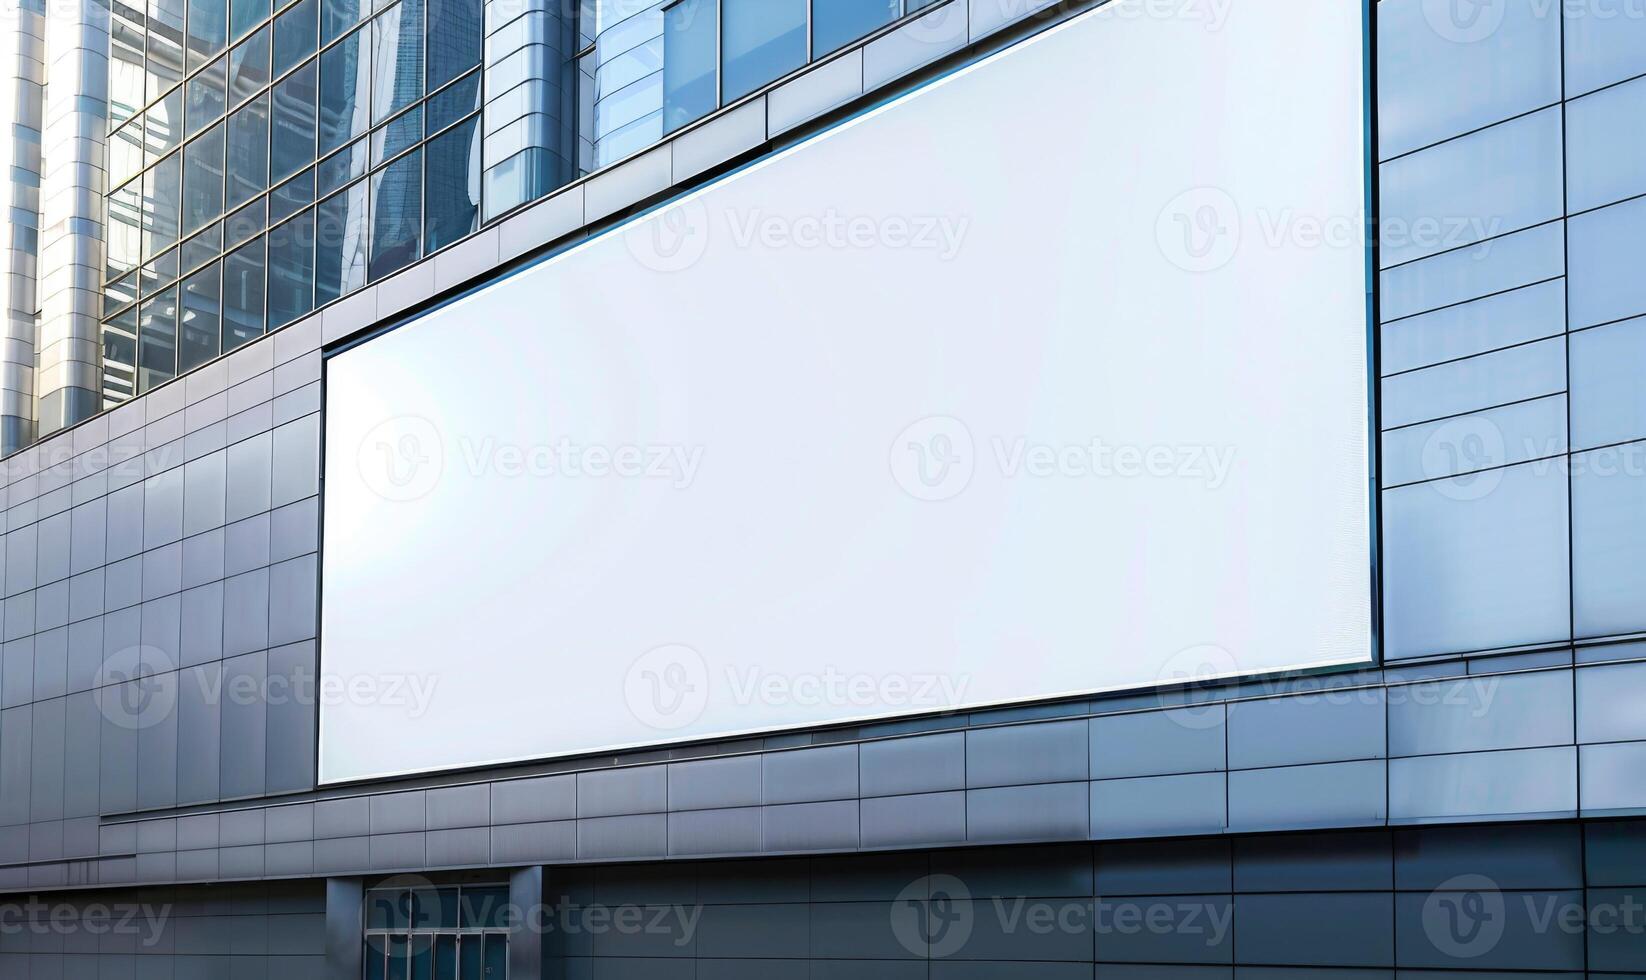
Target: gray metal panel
x=1324, y=727
x=810, y=775
x=1156, y=743
x=1023, y=754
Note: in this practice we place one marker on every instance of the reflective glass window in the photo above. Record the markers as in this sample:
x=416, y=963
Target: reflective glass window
x=397, y=214
x=690, y=45
x=398, y=135
x=837, y=23
x=243, y=224
x=345, y=80
x=119, y=294
x=296, y=33
x=1608, y=535
x=202, y=180
x=157, y=340
x=397, y=58
x=338, y=16
x=207, y=96
x=165, y=45
x=1605, y=43
x=202, y=323
x=248, y=67
x=125, y=239
x=208, y=30
x=292, y=146
x=1608, y=400
x=249, y=151
x=452, y=104
x=761, y=40
x=163, y=124
x=243, y=292
x=291, y=270
x=291, y=196
x=1605, y=151
x=1604, y=249
x=127, y=89
x=340, y=168
x=452, y=201
x=202, y=248
x=455, y=34
x=245, y=15
x=162, y=193
x=126, y=152
x=120, y=350
x=340, y=233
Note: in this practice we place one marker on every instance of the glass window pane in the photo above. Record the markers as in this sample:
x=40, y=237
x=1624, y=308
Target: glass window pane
x=380, y=908
x=375, y=963
x=454, y=39
x=422, y=958
x=249, y=151
x=837, y=23
x=206, y=96
x=452, y=208
x=162, y=190
x=296, y=33
x=345, y=77
x=157, y=340
x=338, y=16
x=497, y=956
x=125, y=241
x=159, y=272
x=340, y=168
x=292, y=196
x=294, y=122
x=690, y=45
x=245, y=15
x=202, y=248
x=291, y=270
x=127, y=90
x=397, y=61
x=340, y=232
x=483, y=907
x=399, y=959
x=397, y=214
x=119, y=294
x=208, y=30
x=249, y=67
x=400, y=134
x=445, y=958
x=1608, y=533
x=202, y=318
x=454, y=103
x=471, y=957
x=120, y=353
x=126, y=152
x=203, y=180
x=165, y=45
x=244, y=223
x=243, y=296
x=163, y=124
x=762, y=40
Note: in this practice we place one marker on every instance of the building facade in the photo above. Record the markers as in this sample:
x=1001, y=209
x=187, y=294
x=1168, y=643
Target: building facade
x=207, y=197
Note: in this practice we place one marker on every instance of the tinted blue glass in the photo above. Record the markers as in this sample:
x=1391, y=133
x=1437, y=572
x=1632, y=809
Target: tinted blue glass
x=296, y=34
x=454, y=103
x=243, y=292
x=452, y=208
x=1608, y=400
x=208, y=30
x=291, y=270
x=1605, y=43
x=345, y=86
x=337, y=16
x=249, y=151
x=291, y=196
x=397, y=214
x=292, y=145
x=454, y=39
x=206, y=95
x=248, y=67
x=202, y=324
x=1605, y=149
x=162, y=193
x=245, y=15
x=245, y=223
x=202, y=248
x=164, y=60
x=340, y=233
x=1604, y=250
x=398, y=135
x=836, y=23
x=157, y=340
x=397, y=69
x=164, y=124
x=690, y=45
x=761, y=40
x=202, y=180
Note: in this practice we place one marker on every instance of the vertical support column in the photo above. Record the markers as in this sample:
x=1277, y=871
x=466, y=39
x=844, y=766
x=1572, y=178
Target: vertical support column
x=345, y=928
x=22, y=105
x=530, y=145
x=525, y=938
x=71, y=229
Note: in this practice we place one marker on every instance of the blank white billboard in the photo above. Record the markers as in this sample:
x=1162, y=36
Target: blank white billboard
x=1049, y=378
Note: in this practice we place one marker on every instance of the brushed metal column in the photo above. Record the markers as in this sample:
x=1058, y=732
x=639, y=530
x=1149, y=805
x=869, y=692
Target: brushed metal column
x=73, y=183
x=345, y=928
x=22, y=79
